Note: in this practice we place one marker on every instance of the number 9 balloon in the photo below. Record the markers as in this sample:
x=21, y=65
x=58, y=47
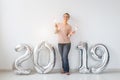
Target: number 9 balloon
x=100, y=53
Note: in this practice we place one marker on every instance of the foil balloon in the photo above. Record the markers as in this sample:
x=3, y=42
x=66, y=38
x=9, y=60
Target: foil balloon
x=17, y=66
x=99, y=52
x=83, y=47
x=52, y=58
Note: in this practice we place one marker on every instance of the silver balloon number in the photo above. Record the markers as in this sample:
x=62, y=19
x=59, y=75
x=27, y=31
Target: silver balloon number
x=83, y=47
x=100, y=53
x=44, y=69
x=18, y=68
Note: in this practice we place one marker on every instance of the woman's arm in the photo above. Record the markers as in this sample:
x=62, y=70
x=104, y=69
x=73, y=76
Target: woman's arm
x=56, y=28
x=71, y=32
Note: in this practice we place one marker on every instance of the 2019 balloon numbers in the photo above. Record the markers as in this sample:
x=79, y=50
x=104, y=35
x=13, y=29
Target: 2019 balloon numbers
x=98, y=52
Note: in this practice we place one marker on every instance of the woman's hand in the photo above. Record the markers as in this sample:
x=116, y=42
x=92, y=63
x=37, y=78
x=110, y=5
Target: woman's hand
x=56, y=28
x=71, y=33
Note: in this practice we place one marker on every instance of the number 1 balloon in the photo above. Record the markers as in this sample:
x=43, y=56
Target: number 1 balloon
x=83, y=46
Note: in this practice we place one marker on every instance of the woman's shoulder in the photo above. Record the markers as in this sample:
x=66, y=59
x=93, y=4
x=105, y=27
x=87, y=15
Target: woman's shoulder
x=69, y=26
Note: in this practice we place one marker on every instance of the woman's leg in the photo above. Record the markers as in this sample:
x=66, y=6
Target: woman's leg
x=60, y=47
x=66, y=50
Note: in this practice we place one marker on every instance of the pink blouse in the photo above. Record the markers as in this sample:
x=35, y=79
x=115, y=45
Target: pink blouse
x=63, y=31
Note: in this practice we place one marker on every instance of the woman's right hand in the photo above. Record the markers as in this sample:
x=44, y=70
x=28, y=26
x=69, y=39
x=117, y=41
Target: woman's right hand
x=56, y=28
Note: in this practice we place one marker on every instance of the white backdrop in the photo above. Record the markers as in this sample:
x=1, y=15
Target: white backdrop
x=31, y=21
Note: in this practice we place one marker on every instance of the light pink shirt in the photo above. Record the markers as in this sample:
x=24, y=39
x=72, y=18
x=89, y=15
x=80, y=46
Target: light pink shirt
x=63, y=31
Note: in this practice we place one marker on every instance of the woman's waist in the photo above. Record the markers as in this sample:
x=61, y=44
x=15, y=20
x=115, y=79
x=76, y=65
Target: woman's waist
x=64, y=41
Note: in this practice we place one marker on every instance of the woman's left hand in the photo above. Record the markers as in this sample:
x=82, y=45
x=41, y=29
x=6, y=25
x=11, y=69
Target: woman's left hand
x=71, y=33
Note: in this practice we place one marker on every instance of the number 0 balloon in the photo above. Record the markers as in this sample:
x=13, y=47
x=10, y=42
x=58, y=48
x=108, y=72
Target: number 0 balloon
x=44, y=69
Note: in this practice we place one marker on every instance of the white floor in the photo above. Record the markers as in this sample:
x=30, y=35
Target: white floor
x=110, y=75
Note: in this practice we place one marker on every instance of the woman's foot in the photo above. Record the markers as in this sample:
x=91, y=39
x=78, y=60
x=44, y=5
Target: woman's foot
x=62, y=72
x=67, y=73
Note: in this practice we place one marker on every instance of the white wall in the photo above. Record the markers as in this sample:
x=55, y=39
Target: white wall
x=31, y=21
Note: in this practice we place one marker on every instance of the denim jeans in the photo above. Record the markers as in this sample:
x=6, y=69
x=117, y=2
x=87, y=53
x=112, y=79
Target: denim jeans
x=64, y=49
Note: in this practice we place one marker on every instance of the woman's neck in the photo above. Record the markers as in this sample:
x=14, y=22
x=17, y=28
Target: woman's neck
x=65, y=22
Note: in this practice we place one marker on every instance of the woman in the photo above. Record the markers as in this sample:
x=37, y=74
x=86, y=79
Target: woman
x=64, y=32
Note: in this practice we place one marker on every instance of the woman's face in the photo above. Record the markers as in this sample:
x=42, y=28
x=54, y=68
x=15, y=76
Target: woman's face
x=66, y=17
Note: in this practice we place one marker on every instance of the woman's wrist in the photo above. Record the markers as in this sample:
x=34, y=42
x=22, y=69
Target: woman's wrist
x=69, y=35
x=56, y=31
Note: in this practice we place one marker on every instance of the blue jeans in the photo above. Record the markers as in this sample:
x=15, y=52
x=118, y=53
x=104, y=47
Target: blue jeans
x=64, y=49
